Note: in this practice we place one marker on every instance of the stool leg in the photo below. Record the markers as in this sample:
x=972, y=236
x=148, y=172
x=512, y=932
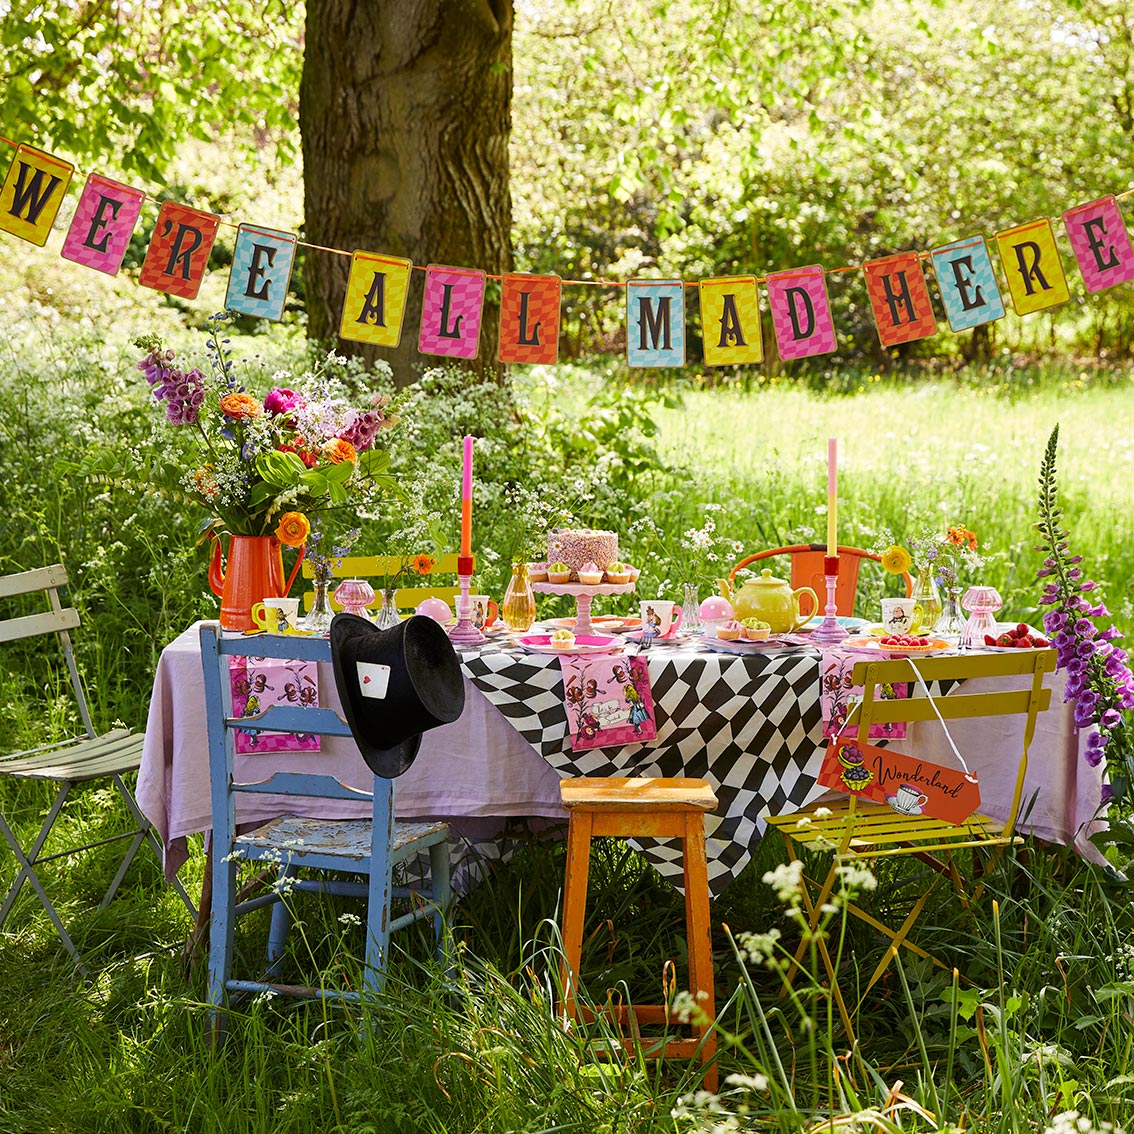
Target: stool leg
x=574, y=904
x=700, y=937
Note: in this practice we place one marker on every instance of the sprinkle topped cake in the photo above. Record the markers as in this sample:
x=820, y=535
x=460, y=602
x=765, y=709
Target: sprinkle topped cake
x=580, y=546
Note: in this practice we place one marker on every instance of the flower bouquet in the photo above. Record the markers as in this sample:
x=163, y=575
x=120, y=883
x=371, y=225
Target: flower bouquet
x=265, y=467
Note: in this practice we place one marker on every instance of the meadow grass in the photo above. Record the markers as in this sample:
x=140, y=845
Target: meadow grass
x=1037, y=1022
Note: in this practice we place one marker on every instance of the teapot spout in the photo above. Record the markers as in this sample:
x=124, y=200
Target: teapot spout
x=725, y=589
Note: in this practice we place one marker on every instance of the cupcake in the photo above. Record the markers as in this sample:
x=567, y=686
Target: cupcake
x=590, y=574
x=537, y=572
x=618, y=573
x=755, y=630
x=562, y=640
x=634, y=572
x=729, y=631
x=558, y=573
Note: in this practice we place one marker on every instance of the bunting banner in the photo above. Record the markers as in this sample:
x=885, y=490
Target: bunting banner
x=378, y=285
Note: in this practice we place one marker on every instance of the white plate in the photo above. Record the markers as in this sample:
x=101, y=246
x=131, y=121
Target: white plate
x=584, y=644
x=1007, y=649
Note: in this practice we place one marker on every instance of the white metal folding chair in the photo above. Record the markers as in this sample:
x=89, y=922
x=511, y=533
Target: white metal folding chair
x=68, y=763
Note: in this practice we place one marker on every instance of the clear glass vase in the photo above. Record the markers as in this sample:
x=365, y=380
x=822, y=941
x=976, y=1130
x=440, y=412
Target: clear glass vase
x=690, y=610
x=927, y=603
x=951, y=623
x=518, y=606
x=318, y=618
x=388, y=615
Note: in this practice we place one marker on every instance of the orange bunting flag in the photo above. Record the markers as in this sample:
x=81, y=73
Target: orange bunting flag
x=1101, y=243
x=900, y=299
x=1031, y=263
x=377, y=288
x=529, y=318
x=730, y=321
x=179, y=250
x=103, y=224
x=32, y=193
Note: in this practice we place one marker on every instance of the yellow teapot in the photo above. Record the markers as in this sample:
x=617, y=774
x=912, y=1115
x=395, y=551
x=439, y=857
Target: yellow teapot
x=771, y=600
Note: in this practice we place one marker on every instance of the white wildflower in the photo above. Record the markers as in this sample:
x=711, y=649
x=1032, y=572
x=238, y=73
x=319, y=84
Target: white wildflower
x=758, y=948
x=749, y=1082
x=787, y=881
x=855, y=877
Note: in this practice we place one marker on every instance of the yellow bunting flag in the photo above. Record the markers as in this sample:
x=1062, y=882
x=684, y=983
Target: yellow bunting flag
x=376, y=299
x=730, y=321
x=1031, y=263
x=32, y=194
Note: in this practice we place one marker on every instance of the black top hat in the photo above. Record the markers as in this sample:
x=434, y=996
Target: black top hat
x=394, y=684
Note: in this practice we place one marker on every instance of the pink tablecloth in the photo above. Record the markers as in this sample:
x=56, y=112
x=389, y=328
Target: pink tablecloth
x=480, y=768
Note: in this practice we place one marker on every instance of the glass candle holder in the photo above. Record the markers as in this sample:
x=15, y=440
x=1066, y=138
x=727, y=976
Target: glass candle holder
x=981, y=603
x=354, y=595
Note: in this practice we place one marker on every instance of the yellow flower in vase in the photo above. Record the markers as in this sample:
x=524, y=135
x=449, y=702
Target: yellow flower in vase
x=896, y=560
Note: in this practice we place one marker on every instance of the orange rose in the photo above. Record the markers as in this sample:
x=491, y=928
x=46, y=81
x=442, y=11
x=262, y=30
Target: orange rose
x=293, y=530
x=242, y=407
x=337, y=451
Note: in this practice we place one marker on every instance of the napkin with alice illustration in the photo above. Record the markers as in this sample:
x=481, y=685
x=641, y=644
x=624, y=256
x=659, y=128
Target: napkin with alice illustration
x=259, y=683
x=838, y=694
x=608, y=701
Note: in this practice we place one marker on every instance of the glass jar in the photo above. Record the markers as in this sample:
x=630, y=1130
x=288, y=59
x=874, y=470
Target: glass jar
x=927, y=602
x=518, y=606
x=951, y=622
x=981, y=603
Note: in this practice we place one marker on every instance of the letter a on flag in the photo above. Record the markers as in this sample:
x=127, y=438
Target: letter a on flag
x=655, y=323
x=103, y=224
x=900, y=299
x=179, y=250
x=529, y=318
x=32, y=193
x=375, y=305
x=801, y=312
x=730, y=321
x=450, y=312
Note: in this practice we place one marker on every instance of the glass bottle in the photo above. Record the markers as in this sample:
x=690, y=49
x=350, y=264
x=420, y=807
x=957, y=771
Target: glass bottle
x=318, y=619
x=927, y=602
x=690, y=610
x=518, y=607
x=951, y=623
x=388, y=615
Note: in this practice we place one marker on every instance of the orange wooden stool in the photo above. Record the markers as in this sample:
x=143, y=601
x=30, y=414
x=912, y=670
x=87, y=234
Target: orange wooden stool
x=659, y=808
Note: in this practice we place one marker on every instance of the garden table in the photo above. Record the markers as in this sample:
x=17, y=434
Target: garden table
x=750, y=725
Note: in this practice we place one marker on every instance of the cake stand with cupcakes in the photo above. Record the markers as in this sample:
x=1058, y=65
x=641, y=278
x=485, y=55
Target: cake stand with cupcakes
x=583, y=593
x=583, y=563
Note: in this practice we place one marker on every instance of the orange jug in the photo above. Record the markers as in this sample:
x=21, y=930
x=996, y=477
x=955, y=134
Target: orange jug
x=253, y=573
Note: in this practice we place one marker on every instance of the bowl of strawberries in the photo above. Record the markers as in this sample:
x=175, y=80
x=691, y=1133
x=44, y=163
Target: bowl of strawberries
x=1018, y=637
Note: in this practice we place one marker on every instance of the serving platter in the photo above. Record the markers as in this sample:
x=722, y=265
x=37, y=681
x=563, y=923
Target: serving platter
x=747, y=646
x=584, y=644
x=607, y=623
x=874, y=646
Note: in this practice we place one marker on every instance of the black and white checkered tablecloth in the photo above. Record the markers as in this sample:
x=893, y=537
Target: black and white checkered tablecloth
x=749, y=725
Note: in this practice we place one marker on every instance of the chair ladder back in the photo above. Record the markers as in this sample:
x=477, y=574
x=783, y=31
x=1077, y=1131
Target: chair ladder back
x=377, y=568
x=58, y=621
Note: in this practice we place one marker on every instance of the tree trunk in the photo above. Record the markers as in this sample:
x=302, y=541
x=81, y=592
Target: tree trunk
x=405, y=113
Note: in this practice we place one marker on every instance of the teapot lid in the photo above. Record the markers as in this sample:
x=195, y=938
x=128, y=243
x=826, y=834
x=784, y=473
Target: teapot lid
x=767, y=579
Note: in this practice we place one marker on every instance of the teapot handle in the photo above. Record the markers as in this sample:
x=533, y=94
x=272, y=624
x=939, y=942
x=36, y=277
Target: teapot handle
x=800, y=617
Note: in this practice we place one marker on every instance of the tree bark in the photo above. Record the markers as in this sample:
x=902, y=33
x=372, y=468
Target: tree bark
x=405, y=113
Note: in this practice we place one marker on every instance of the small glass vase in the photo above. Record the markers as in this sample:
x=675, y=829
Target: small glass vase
x=690, y=610
x=927, y=603
x=354, y=595
x=318, y=618
x=981, y=603
x=518, y=606
x=951, y=624
x=388, y=615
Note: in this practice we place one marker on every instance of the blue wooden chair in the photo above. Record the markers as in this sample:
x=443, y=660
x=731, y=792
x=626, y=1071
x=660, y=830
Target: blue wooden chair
x=357, y=846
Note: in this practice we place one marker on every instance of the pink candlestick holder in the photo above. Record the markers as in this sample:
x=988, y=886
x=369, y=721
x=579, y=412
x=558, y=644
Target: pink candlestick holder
x=464, y=633
x=830, y=632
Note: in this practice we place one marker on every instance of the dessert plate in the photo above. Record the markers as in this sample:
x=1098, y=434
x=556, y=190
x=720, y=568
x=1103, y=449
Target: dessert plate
x=584, y=644
x=1007, y=649
x=846, y=622
x=607, y=623
x=747, y=646
x=874, y=646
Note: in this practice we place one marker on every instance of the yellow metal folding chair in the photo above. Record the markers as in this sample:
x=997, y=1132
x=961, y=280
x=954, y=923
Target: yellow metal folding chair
x=378, y=567
x=862, y=830
x=70, y=763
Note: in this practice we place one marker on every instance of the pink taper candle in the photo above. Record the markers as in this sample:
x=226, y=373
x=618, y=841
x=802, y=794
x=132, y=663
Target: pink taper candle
x=466, y=500
x=832, y=494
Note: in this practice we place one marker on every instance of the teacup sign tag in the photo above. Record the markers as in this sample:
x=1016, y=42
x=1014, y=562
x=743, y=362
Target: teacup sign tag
x=909, y=785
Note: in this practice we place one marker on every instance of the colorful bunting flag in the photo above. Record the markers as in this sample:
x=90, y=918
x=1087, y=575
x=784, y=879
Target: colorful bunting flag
x=967, y=283
x=1031, y=264
x=375, y=303
x=529, y=318
x=801, y=312
x=450, y=312
x=730, y=321
x=262, y=260
x=32, y=193
x=179, y=250
x=655, y=323
x=896, y=288
x=103, y=224
x=1101, y=243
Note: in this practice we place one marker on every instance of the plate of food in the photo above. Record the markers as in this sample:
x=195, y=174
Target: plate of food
x=565, y=642
x=1018, y=637
x=770, y=644
x=897, y=645
x=605, y=623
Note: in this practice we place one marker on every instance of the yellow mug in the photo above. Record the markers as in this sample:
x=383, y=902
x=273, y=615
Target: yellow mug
x=277, y=615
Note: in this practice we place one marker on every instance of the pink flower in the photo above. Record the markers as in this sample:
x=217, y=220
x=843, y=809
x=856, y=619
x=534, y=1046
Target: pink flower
x=280, y=401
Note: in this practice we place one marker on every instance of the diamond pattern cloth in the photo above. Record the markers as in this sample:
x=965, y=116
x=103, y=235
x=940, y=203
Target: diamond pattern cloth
x=749, y=725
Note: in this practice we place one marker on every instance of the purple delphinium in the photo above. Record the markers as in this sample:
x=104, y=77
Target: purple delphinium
x=1099, y=681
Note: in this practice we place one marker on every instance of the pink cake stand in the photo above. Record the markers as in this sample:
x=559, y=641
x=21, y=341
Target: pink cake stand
x=583, y=593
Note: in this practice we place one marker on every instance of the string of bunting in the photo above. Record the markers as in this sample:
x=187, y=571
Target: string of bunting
x=378, y=284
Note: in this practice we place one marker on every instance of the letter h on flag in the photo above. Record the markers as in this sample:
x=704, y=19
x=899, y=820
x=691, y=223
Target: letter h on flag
x=900, y=299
